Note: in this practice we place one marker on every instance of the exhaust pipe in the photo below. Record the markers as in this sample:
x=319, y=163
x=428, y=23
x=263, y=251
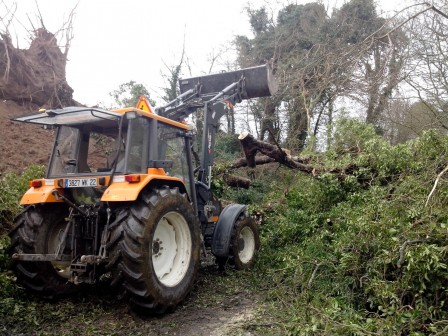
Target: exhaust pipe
x=259, y=81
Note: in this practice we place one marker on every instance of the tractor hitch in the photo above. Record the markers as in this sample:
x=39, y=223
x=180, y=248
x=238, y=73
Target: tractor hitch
x=40, y=257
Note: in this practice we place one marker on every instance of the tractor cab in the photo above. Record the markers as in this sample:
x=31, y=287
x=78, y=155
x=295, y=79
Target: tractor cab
x=95, y=146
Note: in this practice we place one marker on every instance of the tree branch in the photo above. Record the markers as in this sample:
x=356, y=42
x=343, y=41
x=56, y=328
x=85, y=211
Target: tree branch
x=403, y=247
x=439, y=176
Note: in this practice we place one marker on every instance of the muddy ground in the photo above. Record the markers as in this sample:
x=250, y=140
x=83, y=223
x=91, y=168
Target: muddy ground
x=219, y=304
x=21, y=144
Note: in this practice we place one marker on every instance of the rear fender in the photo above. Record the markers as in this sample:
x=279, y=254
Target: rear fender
x=223, y=229
x=42, y=194
x=122, y=191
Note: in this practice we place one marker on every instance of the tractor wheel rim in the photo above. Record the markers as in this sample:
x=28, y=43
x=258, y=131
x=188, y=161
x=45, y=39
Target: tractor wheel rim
x=247, y=249
x=171, y=249
x=54, y=239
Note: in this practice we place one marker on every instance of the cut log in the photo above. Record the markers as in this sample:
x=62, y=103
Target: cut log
x=236, y=181
x=251, y=146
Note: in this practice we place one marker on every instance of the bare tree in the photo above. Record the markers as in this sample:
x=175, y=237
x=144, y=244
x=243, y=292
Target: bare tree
x=428, y=69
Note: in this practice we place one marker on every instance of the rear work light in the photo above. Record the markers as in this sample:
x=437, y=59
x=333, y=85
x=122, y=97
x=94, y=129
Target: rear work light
x=36, y=183
x=132, y=178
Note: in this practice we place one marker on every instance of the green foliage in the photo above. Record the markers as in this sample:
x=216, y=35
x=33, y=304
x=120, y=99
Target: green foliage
x=16, y=312
x=128, y=94
x=13, y=308
x=171, y=91
x=227, y=147
x=253, y=195
x=12, y=188
x=4, y=259
x=360, y=253
x=259, y=20
x=356, y=20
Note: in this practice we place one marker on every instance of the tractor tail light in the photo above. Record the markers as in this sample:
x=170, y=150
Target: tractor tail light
x=132, y=178
x=36, y=183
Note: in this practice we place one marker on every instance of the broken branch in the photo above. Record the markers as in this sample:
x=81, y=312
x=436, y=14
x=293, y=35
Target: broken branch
x=439, y=176
x=251, y=146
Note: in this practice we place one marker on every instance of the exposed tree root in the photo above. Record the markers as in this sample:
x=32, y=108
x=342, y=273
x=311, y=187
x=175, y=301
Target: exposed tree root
x=35, y=75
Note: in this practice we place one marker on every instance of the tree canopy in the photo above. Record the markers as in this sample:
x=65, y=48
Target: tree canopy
x=351, y=58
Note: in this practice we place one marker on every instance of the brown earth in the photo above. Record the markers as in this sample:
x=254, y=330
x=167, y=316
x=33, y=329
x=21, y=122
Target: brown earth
x=21, y=144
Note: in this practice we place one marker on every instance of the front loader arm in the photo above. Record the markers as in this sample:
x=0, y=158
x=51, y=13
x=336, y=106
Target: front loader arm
x=215, y=94
x=215, y=108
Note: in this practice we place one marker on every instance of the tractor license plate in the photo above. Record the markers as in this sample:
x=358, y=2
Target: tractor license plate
x=79, y=183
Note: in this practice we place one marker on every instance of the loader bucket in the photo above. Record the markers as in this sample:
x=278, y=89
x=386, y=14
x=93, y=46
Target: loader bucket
x=259, y=82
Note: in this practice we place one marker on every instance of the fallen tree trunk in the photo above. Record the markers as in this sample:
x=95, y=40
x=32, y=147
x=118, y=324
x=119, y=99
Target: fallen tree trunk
x=236, y=181
x=272, y=153
x=259, y=160
x=251, y=146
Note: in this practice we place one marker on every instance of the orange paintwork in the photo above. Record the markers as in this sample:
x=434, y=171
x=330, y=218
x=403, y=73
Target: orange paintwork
x=152, y=116
x=42, y=194
x=125, y=191
x=118, y=191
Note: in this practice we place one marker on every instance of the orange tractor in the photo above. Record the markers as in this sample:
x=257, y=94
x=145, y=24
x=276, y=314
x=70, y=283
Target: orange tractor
x=122, y=198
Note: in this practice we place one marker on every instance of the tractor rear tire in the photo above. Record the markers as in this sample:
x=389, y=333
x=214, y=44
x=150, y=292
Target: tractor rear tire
x=155, y=247
x=36, y=231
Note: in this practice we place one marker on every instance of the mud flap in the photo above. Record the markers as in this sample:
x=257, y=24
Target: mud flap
x=223, y=229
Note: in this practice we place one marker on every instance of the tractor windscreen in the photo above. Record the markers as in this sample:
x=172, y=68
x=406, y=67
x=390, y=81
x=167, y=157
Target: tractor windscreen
x=171, y=147
x=80, y=150
x=90, y=149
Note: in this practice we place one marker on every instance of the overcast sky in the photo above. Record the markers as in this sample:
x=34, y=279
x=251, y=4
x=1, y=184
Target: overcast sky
x=116, y=41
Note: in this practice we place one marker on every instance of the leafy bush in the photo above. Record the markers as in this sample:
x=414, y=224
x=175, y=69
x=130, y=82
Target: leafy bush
x=361, y=254
x=14, y=306
x=12, y=188
x=4, y=243
x=227, y=146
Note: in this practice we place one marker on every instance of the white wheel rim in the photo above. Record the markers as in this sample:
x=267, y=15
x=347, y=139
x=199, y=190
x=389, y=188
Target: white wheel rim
x=247, y=249
x=171, y=249
x=61, y=267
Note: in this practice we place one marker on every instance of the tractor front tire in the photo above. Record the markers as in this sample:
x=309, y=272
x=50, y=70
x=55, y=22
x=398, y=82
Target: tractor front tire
x=159, y=249
x=245, y=243
x=36, y=231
